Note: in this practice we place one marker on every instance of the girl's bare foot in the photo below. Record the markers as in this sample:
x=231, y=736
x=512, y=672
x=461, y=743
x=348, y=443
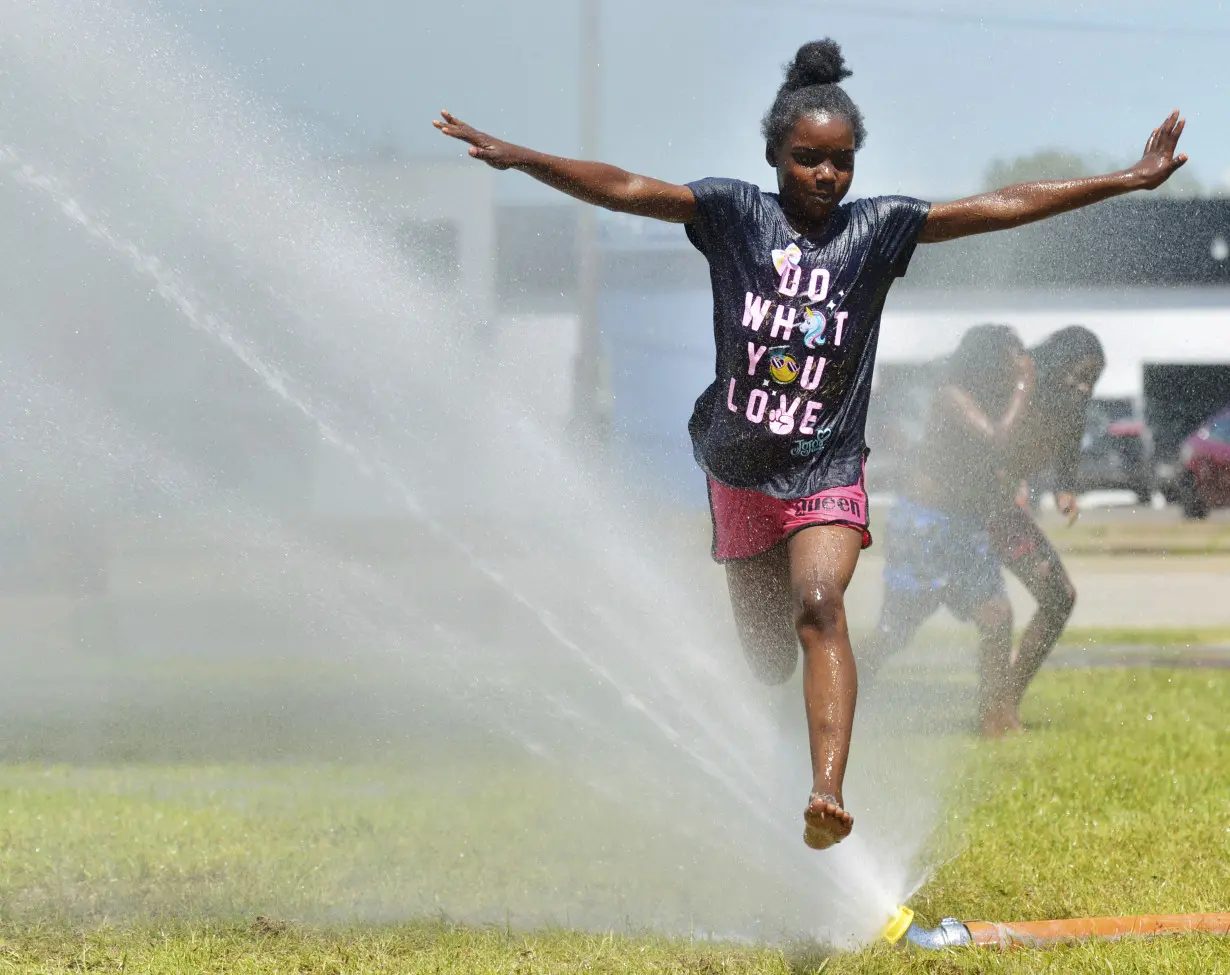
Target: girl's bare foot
x=1000, y=721
x=827, y=822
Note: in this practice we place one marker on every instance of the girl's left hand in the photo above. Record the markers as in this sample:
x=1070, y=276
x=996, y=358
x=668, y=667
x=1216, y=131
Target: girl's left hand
x=1068, y=506
x=1159, y=160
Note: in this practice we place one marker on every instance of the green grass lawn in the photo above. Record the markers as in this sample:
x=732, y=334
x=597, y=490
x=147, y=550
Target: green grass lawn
x=1168, y=640
x=1116, y=802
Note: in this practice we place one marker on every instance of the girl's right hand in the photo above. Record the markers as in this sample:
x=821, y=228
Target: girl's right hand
x=496, y=153
x=590, y=182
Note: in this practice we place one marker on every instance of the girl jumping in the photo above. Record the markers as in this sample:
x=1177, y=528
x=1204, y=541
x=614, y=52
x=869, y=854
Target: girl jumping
x=799, y=281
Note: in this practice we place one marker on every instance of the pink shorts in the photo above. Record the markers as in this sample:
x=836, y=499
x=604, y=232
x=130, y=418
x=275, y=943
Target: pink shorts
x=748, y=523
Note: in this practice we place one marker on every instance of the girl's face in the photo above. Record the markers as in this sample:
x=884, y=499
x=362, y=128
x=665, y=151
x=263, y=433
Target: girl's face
x=815, y=164
x=1080, y=379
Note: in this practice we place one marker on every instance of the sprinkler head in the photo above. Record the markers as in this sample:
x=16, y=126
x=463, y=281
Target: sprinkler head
x=898, y=925
x=951, y=933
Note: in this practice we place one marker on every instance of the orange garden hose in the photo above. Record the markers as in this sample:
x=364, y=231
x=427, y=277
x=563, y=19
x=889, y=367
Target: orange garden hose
x=1036, y=934
x=1033, y=934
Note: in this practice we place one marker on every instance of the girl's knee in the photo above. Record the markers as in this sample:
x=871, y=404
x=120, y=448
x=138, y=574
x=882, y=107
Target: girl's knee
x=1055, y=593
x=995, y=616
x=821, y=607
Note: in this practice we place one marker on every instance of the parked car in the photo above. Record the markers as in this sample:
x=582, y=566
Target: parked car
x=1116, y=450
x=1179, y=398
x=1204, y=475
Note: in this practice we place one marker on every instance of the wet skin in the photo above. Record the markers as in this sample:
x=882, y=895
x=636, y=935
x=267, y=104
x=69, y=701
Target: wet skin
x=1013, y=206
x=793, y=596
x=815, y=165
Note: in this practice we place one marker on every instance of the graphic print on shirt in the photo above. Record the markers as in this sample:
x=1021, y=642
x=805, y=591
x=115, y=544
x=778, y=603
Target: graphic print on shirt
x=795, y=323
x=783, y=367
x=780, y=320
x=816, y=324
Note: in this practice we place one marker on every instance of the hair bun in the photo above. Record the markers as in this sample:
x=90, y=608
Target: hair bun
x=817, y=63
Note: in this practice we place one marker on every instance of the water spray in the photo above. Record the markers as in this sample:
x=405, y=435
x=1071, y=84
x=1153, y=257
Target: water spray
x=952, y=933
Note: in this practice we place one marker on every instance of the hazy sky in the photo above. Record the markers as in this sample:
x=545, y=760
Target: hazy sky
x=686, y=81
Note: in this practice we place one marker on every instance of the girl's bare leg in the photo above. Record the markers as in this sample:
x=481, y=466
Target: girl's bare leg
x=791, y=595
x=822, y=562
x=996, y=707
x=764, y=614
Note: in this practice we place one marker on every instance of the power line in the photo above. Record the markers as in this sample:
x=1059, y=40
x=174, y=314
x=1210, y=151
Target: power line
x=994, y=22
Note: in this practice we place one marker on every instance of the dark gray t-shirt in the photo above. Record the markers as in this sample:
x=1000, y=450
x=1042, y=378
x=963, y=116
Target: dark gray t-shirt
x=795, y=322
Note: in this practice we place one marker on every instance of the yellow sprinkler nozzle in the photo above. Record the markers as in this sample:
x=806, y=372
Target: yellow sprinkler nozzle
x=900, y=923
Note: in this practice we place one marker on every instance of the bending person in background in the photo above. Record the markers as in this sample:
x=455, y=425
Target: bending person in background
x=799, y=281
x=1067, y=366
x=938, y=551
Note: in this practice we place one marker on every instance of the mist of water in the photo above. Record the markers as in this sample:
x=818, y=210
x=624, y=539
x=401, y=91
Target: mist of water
x=177, y=247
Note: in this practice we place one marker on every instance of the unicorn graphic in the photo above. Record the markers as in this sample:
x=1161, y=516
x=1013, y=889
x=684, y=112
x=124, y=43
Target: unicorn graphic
x=816, y=324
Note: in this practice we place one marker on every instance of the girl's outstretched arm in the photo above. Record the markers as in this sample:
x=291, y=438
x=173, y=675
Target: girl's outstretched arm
x=1024, y=203
x=590, y=182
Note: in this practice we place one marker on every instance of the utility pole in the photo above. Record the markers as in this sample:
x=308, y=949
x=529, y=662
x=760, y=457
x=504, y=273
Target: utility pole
x=590, y=380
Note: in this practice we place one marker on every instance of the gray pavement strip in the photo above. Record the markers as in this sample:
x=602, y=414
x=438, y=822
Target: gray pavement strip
x=962, y=659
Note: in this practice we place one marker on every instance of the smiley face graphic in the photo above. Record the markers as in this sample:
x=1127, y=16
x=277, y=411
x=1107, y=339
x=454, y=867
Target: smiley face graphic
x=783, y=366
